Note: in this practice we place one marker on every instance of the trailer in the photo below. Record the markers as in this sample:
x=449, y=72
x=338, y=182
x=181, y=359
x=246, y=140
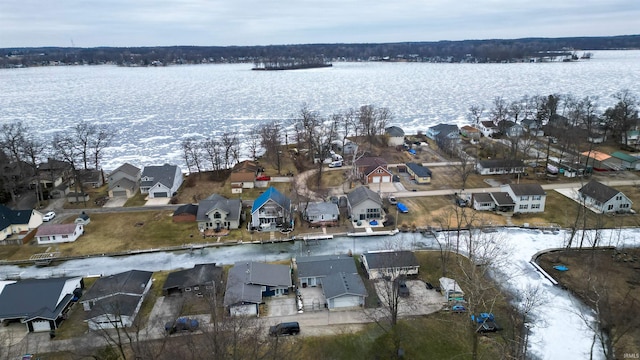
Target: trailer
x=451, y=290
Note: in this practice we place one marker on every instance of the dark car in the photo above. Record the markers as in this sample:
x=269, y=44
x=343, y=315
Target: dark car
x=428, y=285
x=403, y=290
x=287, y=328
x=487, y=327
x=181, y=324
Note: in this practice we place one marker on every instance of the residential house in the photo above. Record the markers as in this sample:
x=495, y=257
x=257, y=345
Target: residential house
x=41, y=304
x=597, y=134
x=124, y=181
x=603, y=198
x=500, y=167
x=243, y=175
x=625, y=161
x=201, y=280
x=533, y=127
x=249, y=282
x=114, y=301
x=527, y=198
x=271, y=211
x=395, y=136
x=600, y=161
x=470, y=132
x=364, y=204
x=373, y=170
x=321, y=213
x=493, y=201
x=91, y=178
x=77, y=197
x=312, y=270
x=185, y=213
x=349, y=148
x=420, y=174
x=390, y=264
x=510, y=128
x=631, y=138
x=488, y=128
x=54, y=173
x=58, y=233
x=344, y=291
x=217, y=212
x=447, y=130
x=16, y=224
x=160, y=181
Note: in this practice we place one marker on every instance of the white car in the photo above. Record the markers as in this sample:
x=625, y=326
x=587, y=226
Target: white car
x=49, y=216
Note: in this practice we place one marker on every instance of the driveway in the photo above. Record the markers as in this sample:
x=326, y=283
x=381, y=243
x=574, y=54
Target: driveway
x=116, y=202
x=420, y=301
x=282, y=306
x=157, y=201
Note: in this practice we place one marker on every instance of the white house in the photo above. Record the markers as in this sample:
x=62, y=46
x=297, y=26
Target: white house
x=395, y=134
x=603, y=198
x=58, y=233
x=344, y=291
x=124, y=181
x=499, y=167
x=321, y=213
x=488, y=128
x=160, y=181
x=390, y=263
x=528, y=198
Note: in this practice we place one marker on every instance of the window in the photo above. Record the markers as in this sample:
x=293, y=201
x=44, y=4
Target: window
x=524, y=206
x=217, y=215
x=610, y=207
x=535, y=206
x=619, y=197
x=536, y=197
x=524, y=198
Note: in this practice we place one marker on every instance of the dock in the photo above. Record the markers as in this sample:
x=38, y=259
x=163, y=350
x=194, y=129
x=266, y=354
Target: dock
x=44, y=259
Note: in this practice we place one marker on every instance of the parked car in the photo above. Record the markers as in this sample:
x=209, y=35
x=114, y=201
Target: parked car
x=181, y=324
x=49, y=216
x=487, y=327
x=458, y=308
x=392, y=200
x=335, y=164
x=461, y=202
x=287, y=328
x=428, y=285
x=403, y=289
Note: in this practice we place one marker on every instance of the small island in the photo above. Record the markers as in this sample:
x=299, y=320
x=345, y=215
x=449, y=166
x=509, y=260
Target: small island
x=290, y=64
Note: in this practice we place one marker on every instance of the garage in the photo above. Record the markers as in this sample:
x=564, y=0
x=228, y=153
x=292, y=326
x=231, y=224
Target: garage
x=344, y=302
x=244, y=310
x=375, y=179
x=386, y=179
x=41, y=325
x=163, y=194
x=120, y=193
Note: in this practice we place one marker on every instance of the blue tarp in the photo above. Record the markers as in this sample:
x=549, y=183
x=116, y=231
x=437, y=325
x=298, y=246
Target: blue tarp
x=373, y=222
x=412, y=152
x=561, y=268
x=402, y=208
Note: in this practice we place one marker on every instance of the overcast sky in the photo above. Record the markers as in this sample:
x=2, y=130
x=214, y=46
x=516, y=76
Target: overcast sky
x=89, y=23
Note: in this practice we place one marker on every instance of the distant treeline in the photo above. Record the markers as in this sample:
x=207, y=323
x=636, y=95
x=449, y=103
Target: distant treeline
x=441, y=51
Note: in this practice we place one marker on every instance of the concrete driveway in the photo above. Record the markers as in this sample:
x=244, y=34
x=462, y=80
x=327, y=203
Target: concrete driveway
x=116, y=202
x=282, y=306
x=420, y=301
x=157, y=201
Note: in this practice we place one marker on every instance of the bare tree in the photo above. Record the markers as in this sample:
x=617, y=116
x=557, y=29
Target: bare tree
x=475, y=113
x=499, y=111
x=99, y=142
x=212, y=148
x=253, y=142
x=623, y=115
x=191, y=152
x=230, y=145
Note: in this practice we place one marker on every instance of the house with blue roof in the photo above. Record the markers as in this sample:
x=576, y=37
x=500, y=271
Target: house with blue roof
x=271, y=211
x=15, y=224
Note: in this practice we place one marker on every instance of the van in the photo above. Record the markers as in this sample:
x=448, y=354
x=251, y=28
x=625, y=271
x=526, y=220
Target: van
x=335, y=164
x=287, y=328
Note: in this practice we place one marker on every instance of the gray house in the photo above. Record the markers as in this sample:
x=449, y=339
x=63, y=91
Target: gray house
x=604, y=199
x=39, y=303
x=217, y=212
x=313, y=269
x=249, y=282
x=160, y=181
x=201, y=280
x=321, y=213
x=395, y=134
x=388, y=263
x=115, y=300
x=344, y=291
x=124, y=181
x=364, y=204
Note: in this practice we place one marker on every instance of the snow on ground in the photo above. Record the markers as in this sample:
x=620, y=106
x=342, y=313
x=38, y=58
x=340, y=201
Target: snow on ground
x=559, y=333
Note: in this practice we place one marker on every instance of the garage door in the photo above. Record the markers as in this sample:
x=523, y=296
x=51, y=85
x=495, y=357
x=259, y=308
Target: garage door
x=160, y=194
x=386, y=179
x=41, y=325
x=345, y=302
x=375, y=179
x=244, y=310
x=120, y=193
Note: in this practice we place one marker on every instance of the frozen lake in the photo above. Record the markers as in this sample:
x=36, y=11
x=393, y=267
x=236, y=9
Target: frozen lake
x=152, y=109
